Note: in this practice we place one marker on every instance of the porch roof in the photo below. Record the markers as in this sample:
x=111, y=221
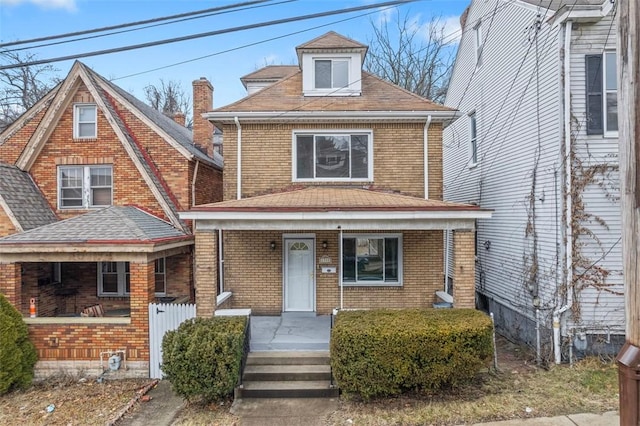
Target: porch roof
x=116, y=228
x=333, y=207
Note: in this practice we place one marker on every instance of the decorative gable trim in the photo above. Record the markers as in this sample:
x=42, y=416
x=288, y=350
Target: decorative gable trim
x=9, y=213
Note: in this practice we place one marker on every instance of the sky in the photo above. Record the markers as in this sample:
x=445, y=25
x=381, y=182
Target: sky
x=224, y=57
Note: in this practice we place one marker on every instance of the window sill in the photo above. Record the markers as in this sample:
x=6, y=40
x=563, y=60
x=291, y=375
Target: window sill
x=371, y=284
x=91, y=139
x=473, y=166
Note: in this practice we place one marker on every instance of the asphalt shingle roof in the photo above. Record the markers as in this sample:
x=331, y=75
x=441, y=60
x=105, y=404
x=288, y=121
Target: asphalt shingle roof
x=23, y=198
x=333, y=198
x=116, y=224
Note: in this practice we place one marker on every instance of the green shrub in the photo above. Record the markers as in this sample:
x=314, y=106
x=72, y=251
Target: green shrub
x=202, y=357
x=387, y=352
x=17, y=354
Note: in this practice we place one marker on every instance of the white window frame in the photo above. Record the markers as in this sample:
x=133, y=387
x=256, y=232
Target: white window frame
x=86, y=186
x=398, y=283
x=77, y=122
x=477, y=31
x=473, y=140
x=121, y=273
x=161, y=264
x=333, y=61
x=354, y=74
x=346, y=132
x=605, y=127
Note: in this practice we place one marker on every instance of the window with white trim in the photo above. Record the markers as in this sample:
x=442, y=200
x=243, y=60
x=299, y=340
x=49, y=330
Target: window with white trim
x=372, y=259
x=331, y=73
x=84, y=186
x=114, y=279
x=602, y=94
x=332, y=157
x=85, y=121
x=477, y=30
x=160, y=274
x=473, y=140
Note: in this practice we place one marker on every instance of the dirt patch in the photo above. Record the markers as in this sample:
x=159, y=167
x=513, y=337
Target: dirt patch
x=68, y=401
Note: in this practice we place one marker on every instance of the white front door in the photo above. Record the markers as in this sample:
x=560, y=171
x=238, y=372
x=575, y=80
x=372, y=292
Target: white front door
x=299, y=276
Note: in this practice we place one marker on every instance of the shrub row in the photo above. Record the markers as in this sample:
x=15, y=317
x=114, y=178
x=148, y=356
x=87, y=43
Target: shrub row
x=386, y=352
x=202, y=357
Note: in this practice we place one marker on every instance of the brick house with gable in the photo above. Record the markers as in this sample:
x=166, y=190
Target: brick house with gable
x=91, y=183
x=332, y=194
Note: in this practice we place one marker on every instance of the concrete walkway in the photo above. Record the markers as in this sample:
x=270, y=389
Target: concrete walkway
x=284, y=412
x=160, y=410
x=610, y=418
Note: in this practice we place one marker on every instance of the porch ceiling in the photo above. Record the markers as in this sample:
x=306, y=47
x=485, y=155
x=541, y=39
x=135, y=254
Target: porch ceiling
x=334, y=207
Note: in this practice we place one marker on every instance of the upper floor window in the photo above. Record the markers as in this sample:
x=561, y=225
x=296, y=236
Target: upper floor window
x=372, y=259
x=332, y=156
x=473, y=140
x=160, y=273
x=602, y=94
x=85, y=121
x=478, y=43
x=331, y=73
x=84, y=186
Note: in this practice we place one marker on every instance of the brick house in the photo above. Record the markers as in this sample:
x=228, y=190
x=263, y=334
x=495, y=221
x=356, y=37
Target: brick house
x=91, y=183
x=332, y=194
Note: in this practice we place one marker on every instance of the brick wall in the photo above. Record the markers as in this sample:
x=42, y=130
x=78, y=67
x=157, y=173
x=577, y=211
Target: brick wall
x=11, y=148
x=253, y=273
x=397, y=156
x=11, y=282
x=206, y=272
x=6, y=226
x=208, y=188
x=464, y=272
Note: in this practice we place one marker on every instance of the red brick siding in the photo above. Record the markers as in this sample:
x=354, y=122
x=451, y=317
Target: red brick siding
x=6, y=226
x=11, y=149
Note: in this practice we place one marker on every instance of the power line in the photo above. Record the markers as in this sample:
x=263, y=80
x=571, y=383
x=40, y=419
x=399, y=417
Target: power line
x=206, y=34
x=131, y=24
x=146, y=26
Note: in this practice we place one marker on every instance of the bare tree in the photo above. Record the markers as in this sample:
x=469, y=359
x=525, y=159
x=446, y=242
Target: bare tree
x=22, y=87
x=413, y=55
x=169, y=98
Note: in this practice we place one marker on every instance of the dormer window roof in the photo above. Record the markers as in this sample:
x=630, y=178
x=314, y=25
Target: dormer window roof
x=331, y=65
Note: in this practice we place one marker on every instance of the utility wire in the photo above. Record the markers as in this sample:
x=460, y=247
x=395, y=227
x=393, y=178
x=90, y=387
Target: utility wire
x=206, y=34
x=207, y=15
x=132, y=24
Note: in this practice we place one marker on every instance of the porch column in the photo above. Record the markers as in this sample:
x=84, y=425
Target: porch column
x=464, y=272
x=142, y=281
x=11, y=283
x=206, y=273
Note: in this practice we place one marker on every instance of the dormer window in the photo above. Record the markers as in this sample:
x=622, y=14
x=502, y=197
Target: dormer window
x=85, y=121
x=331, y=73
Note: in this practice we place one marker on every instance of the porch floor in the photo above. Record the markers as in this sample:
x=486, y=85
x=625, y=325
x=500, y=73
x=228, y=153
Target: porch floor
x=290, y=332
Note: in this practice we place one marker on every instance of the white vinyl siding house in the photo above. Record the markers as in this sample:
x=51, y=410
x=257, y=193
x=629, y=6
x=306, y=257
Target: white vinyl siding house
x=518, y=96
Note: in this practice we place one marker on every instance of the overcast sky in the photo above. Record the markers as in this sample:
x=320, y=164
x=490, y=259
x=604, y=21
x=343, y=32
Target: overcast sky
x=27, y=19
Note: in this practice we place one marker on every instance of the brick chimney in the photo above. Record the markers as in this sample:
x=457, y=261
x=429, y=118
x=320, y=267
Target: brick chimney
x=202, y=102
x=180, y=118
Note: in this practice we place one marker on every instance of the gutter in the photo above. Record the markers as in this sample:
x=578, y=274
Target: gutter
x=239, y=160
x=568, y=201
x=426, y=157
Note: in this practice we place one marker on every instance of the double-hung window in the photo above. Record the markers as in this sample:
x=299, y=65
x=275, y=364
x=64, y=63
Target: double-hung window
x=332, y=156
x=114, y=279
x=374, y=259
x=331, y=73
x=160, y=277
x=473, y=140
x=84, y=186
x=602, y=94
x=478, y=44
x=85, y=122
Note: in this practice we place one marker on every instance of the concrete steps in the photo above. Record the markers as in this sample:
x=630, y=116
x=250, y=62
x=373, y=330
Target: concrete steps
x=287, y=375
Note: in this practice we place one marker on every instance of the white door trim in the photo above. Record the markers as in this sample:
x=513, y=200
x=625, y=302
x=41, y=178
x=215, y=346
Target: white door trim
x=309, y=238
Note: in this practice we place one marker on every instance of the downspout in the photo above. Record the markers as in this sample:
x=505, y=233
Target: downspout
x=446, y=260
x=340, y=276
x=220, y=262
x=193, y=184
x=426, y=157
x=568, y=201
x=239, y=156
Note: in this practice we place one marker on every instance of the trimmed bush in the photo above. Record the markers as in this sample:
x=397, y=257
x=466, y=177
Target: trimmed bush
x=386, y=352
x=202, y=357
x=17, y=354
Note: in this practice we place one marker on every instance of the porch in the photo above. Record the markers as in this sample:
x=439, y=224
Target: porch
x=290, y=332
